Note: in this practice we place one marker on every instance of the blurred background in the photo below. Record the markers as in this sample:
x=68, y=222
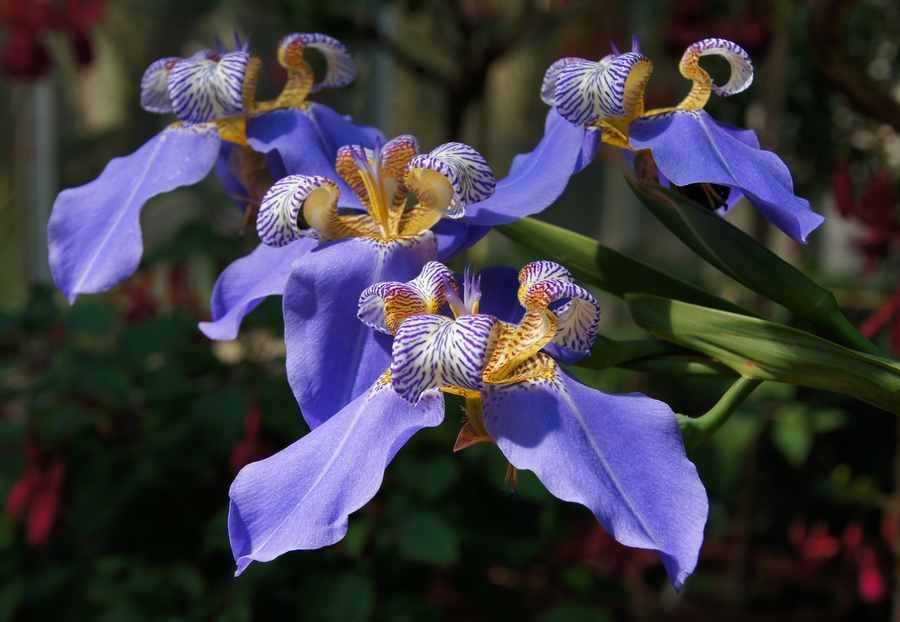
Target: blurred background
x=121, y=426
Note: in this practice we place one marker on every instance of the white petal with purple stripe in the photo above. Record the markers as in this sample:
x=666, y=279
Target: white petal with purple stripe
x=382, y=304
x=155, y=86
x=433, y=351
x=204, y=88
x=738, y=60
x=465, y=169
x=585, y=91
x=339, y=67
x=277, y=222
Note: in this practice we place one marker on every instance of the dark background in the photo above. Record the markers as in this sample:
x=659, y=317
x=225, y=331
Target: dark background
x=121, y=426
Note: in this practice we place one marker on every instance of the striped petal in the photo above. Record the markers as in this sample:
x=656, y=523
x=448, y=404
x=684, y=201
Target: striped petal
x=205, y=88
x=433, y=351
x=451, y=177
x=155, y=86
x=738, y=60
x=278, y=220
x=545, y=283
x=586, y=91
x=339, y=67
x=384, y=306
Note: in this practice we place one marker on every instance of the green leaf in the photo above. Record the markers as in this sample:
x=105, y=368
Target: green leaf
x=741, y=257
x=426, y=537
x=765, y=350
x=603, y=267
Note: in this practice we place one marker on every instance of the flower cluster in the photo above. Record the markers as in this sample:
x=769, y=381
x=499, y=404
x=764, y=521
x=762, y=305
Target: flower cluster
x=353, y=229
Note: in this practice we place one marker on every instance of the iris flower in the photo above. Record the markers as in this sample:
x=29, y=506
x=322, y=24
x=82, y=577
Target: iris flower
x=621, y=456
x=688, y=146
x=94, y=230
x=325, y=239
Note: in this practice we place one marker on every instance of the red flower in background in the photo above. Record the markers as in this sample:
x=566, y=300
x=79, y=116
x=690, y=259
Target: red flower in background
x=26, y=22
x=250, y=447
x=35, y=497
x=876, y=210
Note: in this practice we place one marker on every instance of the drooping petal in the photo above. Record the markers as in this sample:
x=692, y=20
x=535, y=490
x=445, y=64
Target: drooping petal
x=339, y=67
x=245, y=283
x=383, y=306
x=433, y=351
x=332, y=357
x=155, y=86
x=621, y=456
x=94, y=231
x=691, y=147
x=204, y=89
x=537, y=179
x=301, y=497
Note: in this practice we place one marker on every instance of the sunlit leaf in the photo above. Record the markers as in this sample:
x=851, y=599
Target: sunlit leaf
x=765, y=350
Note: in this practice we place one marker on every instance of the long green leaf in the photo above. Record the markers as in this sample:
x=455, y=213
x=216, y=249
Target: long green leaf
x=603, y=267
x=741, y=257
x=763, y=350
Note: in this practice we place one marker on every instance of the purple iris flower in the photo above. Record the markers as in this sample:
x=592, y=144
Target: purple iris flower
x=621, y=456
x=688, y=146
x=325, y=240
x=94, y=230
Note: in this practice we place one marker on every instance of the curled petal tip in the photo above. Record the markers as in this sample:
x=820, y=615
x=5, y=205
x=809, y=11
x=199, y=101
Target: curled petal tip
x=339, y=67
x=384, y=306
x=738, y=61
x=278, y=220
x=468, y=174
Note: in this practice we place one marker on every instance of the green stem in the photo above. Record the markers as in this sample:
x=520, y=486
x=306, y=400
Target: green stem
x=697, y=430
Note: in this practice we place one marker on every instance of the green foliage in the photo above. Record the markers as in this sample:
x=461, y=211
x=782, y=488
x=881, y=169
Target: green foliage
x=604, y=267
x=765, y=350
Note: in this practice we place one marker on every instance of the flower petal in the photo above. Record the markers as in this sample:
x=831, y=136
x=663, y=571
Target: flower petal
x=339, y=67
x=247, y=282
x=278, y=220
x=537, y=179
x=691, y=147
x=155, y=86
x=451, y=177
x=205, y=89
x=499, y=286
x=739, y=62
x=383, y=306
x=587, y=91
x=433, y=351
x=301, y=497
x=95, y=230
x=305, y=144
x=332, y=357
x=621, y=456
x=545, y=283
